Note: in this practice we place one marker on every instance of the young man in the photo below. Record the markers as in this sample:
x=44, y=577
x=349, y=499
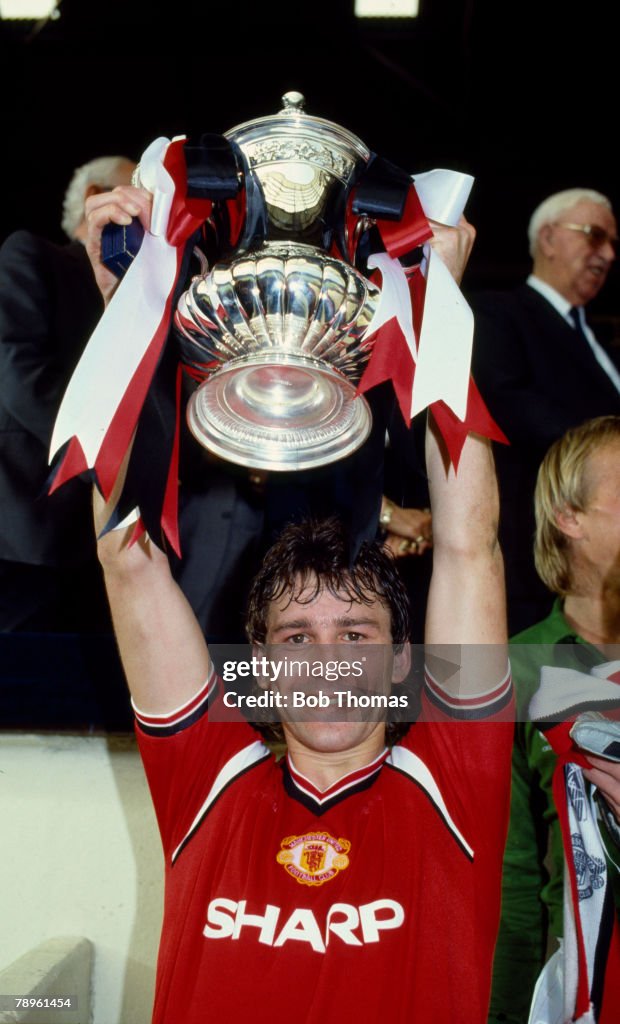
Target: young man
x=349, y=880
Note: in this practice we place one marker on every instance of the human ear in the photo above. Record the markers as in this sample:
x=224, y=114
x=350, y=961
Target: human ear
x=94, y=190
x=402, y=662
x=545, y=240
x=568, y=522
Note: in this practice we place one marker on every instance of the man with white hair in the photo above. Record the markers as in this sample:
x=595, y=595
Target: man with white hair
x=542, y=370
x=49, y=305
x=99, y=175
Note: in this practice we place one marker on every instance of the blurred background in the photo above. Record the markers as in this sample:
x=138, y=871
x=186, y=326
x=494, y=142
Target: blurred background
x=521, y=95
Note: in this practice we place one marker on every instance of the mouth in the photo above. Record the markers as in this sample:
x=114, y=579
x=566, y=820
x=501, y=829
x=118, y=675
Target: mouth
x=598, y=269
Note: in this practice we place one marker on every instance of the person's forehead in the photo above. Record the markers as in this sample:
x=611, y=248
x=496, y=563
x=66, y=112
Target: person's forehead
x=586, y=211
x=602, y=470
x=605, y=459
x=307, y=603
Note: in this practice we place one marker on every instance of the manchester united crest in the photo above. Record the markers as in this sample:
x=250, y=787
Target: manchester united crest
x=313, y=858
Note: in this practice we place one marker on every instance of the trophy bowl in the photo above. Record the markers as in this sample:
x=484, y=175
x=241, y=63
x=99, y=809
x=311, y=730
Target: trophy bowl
x=301, y=163
x=276, y=338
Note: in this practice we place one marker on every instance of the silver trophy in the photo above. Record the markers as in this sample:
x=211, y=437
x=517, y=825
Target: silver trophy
x=278, y=332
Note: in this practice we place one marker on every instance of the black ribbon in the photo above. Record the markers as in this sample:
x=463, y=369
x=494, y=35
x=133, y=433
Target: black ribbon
x=382, y=190
x=213, y=171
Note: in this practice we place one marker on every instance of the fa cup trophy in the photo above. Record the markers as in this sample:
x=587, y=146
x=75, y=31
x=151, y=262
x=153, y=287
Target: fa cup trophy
x=316, y=283
x=279, y=330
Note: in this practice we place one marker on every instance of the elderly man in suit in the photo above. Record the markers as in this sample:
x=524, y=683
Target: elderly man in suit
x=49, y=305
x=542, y=370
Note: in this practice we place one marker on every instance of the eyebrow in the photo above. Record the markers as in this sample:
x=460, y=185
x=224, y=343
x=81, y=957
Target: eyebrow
x=341, y=621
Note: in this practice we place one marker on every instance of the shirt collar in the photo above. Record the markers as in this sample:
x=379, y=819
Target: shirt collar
x=561, y=628
x=558, y=301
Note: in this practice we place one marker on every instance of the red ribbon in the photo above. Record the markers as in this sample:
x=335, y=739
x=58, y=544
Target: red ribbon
x=73, y=463
x=170, y=510
x=398, y=237
x=186, y=216
x=478, y=420
x=568, y=753
x=412, y=230
x=391, y=359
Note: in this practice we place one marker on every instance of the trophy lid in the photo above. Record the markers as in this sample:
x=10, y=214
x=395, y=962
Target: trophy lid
x=293, y=136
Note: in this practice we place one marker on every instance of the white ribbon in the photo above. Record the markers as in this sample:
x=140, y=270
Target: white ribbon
x=563, y=689
x=394, y=300
x=446, y=339
x=443, y=194
x=124, y=332
x=443, y=356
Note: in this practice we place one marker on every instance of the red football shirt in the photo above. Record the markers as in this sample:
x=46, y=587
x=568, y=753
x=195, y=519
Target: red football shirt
x=378, y=898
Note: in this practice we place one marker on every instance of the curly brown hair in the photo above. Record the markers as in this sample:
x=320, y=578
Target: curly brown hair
x=313, y=555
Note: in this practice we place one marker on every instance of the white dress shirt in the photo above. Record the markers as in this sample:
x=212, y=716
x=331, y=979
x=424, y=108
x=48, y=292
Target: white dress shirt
x=564, y=307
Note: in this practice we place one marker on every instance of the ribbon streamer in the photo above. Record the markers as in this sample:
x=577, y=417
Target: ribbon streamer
x=122, y=337
x=102, y=405
x=424, y=345
x=423, y=327
x=442, y=357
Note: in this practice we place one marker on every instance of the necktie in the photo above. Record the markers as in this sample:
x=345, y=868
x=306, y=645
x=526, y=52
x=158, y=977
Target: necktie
x=599, y=352
x=575, y=315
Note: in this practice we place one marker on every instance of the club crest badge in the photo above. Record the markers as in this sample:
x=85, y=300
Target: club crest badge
x=314, y=858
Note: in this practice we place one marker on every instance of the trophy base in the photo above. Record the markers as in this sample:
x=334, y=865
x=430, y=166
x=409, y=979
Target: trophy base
x=278, y=411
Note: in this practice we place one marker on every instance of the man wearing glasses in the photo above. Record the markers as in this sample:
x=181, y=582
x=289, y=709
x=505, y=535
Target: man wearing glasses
x=541, y=368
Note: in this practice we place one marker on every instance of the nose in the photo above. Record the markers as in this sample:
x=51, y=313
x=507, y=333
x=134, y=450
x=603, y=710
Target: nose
x=608, y=250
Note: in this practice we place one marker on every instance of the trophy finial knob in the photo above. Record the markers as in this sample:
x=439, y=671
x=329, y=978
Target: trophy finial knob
x=294, y=102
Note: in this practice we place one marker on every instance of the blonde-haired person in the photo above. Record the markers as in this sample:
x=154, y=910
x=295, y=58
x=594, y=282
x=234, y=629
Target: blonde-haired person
x=567, y=498
x=577, y=554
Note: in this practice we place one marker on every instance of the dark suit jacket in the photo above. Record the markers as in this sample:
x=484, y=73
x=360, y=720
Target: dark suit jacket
x=539, y=378
x=49, y=305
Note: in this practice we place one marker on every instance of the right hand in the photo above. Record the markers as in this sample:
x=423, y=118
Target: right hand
x=409, y=531
x=454, y=245
x=119, y=206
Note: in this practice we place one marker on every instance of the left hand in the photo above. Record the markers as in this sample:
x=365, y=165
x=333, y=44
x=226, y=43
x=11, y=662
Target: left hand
x=605, y=774
x=454, y=245
x=409, y=531
x=119, y=206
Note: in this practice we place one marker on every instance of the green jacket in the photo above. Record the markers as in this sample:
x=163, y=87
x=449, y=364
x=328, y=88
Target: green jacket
x=532, y=884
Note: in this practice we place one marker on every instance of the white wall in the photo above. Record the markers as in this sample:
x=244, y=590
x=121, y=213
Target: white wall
x=80, y=855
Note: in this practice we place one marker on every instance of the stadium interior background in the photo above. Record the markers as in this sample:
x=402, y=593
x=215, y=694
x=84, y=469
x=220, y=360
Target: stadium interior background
x=522, y=96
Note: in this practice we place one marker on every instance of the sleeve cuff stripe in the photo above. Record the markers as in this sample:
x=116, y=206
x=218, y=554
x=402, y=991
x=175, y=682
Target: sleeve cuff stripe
x=178, y=715
x=467, y=701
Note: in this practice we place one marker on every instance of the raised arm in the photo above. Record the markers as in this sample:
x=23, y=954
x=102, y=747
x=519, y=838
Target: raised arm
x=466, y=603
x=466, y=600
x=162, y=647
